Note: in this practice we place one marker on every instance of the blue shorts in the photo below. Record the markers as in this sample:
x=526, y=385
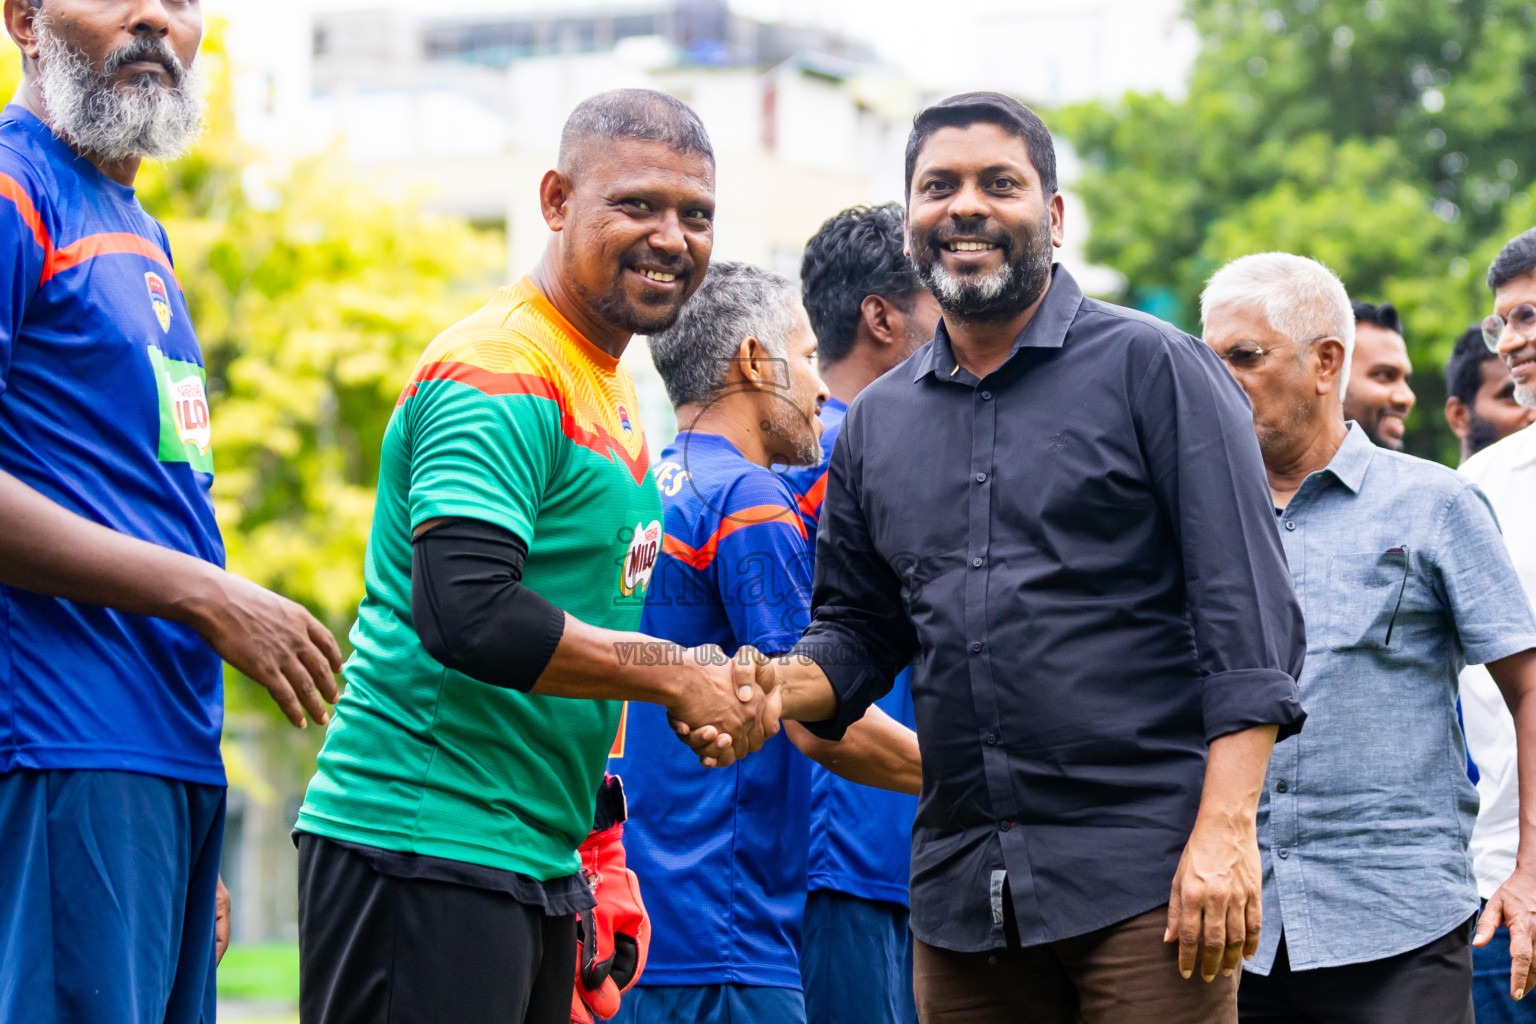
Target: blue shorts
x=107, y=898
x=1490, y=985
x=856, y=961
x=711, y=1004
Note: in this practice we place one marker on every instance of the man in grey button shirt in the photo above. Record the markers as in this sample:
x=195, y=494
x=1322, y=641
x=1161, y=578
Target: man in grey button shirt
x=1403, y=577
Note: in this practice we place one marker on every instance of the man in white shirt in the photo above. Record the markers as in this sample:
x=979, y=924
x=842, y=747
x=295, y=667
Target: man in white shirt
x=1506, y=473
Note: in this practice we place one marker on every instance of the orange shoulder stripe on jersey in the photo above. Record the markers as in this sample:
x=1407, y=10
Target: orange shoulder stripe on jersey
x=491, y=383
x=11, y=189
x=485, y=381
x=105, y=244
x=605, y=444
x=758, y=515
x=55, y=261
x=810, y=501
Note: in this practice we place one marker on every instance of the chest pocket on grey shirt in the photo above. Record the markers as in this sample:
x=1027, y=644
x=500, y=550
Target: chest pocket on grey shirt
x=1368, y=594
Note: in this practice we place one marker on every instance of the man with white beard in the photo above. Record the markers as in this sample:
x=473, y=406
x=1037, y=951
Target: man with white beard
x=114, y=609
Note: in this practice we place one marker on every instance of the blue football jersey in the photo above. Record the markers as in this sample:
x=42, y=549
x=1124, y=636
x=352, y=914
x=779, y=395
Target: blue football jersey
x=104, y=410
x=721, y=853
x=861, y=838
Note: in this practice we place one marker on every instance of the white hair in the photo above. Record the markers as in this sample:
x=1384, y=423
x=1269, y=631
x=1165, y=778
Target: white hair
x=1297, y=296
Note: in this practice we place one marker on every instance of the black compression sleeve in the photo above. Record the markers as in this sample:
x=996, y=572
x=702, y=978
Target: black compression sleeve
x=471, y=609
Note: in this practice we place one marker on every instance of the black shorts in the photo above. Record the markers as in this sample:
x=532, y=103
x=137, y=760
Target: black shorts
x=376, y=949
x=1432, y=984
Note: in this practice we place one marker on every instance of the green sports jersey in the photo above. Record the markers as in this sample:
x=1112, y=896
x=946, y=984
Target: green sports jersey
x=513, y=418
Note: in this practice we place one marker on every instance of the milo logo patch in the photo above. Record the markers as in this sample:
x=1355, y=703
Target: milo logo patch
x=186, y=433
x=640, y=560
x=189, y=408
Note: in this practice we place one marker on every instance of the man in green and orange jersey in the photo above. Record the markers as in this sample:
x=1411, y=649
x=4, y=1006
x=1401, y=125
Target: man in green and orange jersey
x=516, y=528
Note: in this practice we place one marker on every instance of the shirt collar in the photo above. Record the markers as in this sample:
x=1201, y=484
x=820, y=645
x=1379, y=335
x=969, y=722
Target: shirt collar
x=686, y=439
x=1046, y=329
x=1353, y=458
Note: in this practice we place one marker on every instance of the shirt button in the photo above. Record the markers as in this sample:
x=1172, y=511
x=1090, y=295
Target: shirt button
x=1284, y=853
x=991, y=739
x=978, y=562
x=986, y=396
x=981, y=478
x=1289, y=525
x=976, y=647
x=1282, y=786
x=1005, y=826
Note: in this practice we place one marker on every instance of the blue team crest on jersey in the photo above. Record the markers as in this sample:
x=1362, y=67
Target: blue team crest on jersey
x=160, y=299
x=625, y=426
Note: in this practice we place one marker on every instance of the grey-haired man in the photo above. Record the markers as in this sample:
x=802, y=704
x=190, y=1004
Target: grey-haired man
x=1403, y=578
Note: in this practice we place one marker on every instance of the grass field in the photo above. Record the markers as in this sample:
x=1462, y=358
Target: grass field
x=264, y=974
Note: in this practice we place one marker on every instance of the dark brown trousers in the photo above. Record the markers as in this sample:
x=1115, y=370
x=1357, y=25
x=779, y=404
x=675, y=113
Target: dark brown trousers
x=1123, y=974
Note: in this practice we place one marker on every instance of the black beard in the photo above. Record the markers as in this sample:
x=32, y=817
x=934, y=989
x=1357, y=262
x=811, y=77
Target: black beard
x=1480, y=433
x=1025, y=272
x=615, y=308
x=1374, y=433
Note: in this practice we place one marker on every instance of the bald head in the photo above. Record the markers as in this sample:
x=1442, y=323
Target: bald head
x=642, y=114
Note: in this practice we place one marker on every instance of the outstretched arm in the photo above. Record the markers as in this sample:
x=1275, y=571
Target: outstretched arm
x=876, y=751
x=47, y=549
x=474, y=615
x=711, y=700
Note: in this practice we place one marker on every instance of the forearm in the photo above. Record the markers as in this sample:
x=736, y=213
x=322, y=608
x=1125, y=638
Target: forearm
x=876, y=751
x=805, y=693
x=47, y=549
x=1516, y=679
x=1234, y=776
x=607, y=664
x=1215, y=899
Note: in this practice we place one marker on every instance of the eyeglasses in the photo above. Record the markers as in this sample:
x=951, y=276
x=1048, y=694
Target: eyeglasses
x=1253, y=358
x=1522, y=320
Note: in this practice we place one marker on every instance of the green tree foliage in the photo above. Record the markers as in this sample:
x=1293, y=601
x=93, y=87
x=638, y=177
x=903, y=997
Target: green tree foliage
x=312, y=297
x=1395, y=140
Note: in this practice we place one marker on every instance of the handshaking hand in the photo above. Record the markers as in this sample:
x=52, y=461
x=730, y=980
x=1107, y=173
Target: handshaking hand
x=729, y=708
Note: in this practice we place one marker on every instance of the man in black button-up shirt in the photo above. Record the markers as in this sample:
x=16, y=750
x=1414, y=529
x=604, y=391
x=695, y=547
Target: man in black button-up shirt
x=1058, y=508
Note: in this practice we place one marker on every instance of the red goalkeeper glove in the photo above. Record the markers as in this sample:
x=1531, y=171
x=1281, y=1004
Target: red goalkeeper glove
x=612, y=939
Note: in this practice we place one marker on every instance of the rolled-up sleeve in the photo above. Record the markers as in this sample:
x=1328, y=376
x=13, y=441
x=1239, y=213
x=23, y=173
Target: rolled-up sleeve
x=860, y=634
x=1196, y=431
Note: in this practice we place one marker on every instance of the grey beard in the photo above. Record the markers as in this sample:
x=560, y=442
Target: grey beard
x=967, y=292
x=790, y=426
x=117, y=122
x=1001, y=295
x=1525, y=396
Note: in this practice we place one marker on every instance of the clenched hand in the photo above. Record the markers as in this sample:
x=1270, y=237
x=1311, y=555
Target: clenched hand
x=724, y=713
